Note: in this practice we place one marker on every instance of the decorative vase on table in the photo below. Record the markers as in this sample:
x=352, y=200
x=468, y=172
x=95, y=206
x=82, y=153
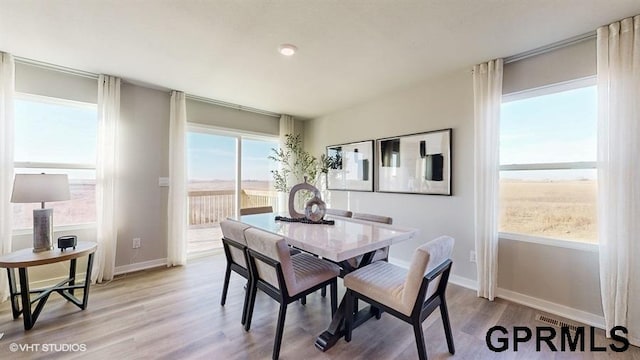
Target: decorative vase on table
x=314, y=208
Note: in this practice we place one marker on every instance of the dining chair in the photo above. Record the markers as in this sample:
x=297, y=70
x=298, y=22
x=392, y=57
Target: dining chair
x=380, y=254
x=235, y=250
x=265, y=210
x=410, y=295
x=256, y=210
x=339, y=212
x=283, y=277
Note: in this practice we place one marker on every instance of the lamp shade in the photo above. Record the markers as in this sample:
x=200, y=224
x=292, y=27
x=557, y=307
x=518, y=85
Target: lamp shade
x=38, y=188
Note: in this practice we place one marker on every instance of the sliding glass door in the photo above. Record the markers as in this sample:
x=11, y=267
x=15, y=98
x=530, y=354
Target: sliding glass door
x=257, y=180
x=224, y=169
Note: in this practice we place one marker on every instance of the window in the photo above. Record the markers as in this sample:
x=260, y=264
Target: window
x=213, y=158
x=57, y=136
x=547, y=163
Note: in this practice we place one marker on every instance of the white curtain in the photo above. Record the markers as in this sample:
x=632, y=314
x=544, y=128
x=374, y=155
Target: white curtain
x=618, y=48
x=287, y=126
x=106, y=165
x=7, y=76
x=487, y=91
x=177, y=209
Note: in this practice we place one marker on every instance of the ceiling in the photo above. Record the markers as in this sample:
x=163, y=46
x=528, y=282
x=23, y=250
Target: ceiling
x=349, y=51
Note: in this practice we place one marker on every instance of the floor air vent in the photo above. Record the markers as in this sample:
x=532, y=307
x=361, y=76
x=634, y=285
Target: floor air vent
x=555, y=322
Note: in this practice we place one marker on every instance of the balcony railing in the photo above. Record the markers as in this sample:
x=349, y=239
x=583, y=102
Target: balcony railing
x=210, y=207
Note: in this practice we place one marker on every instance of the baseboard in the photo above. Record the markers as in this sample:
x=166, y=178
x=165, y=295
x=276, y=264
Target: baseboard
x=119, y=270
x=553, y=308
x=464, y=282
x=522, y=299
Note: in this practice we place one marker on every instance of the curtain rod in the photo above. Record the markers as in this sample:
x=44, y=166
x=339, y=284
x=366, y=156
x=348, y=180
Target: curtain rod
x=551, y=47
x=231, y=105
x=90, y=75
x=62, y=69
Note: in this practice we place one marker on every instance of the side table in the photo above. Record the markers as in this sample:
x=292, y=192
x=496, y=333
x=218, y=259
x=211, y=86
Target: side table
x=23, y=259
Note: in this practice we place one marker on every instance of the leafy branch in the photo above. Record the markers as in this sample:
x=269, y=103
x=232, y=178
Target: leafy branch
x=295, y=163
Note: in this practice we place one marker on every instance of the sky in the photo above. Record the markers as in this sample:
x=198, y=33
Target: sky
x=54, y=132
x=49, y=132
x=558, y=127
x=212, y=157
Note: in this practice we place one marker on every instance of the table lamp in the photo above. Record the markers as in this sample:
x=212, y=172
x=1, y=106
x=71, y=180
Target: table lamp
x=34, y=188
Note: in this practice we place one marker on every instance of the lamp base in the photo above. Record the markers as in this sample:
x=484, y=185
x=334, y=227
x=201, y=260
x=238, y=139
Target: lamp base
x=42, y=230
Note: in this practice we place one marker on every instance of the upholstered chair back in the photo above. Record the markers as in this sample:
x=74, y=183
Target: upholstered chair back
x=374, y=218
x=234, y=230
x=274, y=247
x=426, y=258
x=256, y=210
x=339, y=212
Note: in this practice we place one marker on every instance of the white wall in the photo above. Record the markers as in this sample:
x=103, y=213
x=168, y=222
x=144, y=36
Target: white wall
x=564, y=278
x=199, y=112
x=445, y=102
x=143, y=145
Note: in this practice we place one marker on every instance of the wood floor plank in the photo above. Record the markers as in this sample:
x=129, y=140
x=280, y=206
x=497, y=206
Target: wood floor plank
x=175, y=313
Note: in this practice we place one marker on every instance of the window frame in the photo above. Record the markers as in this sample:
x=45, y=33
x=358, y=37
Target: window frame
x=238, y=135
x=575, y=165
x=54, y=165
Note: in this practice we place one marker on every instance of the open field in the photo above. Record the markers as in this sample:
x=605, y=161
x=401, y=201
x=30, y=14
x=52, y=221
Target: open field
x=556, y=209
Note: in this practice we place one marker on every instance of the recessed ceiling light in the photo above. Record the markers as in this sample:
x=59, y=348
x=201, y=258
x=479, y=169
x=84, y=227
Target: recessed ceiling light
x=287, y=49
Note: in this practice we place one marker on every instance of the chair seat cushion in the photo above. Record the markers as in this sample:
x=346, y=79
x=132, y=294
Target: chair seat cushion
x=382, y=282
x=311, y=271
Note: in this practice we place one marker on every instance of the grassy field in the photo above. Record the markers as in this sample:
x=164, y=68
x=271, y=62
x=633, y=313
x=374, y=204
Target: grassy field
x=556, y=209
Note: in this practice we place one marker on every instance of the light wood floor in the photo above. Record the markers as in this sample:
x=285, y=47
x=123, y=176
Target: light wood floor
x=176, y=314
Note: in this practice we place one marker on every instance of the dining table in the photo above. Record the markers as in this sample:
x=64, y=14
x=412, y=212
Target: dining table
x=338, y=240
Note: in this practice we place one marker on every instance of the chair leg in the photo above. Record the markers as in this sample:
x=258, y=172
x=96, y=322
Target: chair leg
x=334, y=296
x=447, y=326
x=348, y=314
x=417, y=330
x=303, y=300
x=247, y=290
x=225, y=286
x=253, y=289
x=279, y=331
x=323, y=292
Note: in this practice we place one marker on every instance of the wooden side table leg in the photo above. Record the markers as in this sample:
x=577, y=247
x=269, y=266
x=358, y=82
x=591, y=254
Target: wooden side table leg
x=87, y=282
x=15, y=307
x=26, y=299
x=72, y=275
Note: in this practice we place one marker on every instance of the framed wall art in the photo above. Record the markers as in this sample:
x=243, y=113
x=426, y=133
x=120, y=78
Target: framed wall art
x=350, y=166
x=415, y=164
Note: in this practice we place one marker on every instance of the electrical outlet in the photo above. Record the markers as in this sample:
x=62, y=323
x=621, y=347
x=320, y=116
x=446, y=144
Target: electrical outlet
x=136, y=243
x=472, y=256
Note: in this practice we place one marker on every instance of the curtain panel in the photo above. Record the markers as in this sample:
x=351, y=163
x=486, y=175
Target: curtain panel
x=487, y=91
x=177, y=207
x=287, y=126
x=7, y=82
x=618, y=62
x=106, y=166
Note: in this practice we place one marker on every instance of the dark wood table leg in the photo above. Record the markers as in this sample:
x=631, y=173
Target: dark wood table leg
x=329, y=337
x=15, y=307
x=72, y=275
x=87, y=282
x=26, y=299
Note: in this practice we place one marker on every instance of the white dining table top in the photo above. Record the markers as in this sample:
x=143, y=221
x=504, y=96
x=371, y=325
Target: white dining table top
x=346, y=239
